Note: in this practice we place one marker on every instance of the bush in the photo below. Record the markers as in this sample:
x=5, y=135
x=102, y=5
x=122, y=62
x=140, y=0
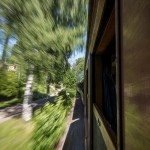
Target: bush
x=65, y=91
x=8, y=84
x=72, y=92
x=37, y=95
x=39, y=91
x=50, y=122
x=70, y=79
x=62, y=93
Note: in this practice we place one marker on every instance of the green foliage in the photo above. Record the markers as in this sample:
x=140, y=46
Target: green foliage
x=78, y=68
x=11, y=90
x=37, y=95
x=11, y=102
x=47, y=32
x=39, y=87
x=50, y=122
x=64, y=92
x=8, y=83
x=70, y=80
x=72, y=92
x=39, y=91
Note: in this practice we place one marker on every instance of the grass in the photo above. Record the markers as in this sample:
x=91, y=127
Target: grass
x=49, y=125
x=50, y=122
x=15, y=135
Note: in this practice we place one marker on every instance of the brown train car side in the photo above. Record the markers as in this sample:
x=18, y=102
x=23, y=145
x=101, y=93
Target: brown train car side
x=117, y=75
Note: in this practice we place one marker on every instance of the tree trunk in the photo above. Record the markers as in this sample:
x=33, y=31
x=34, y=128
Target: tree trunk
x=48, y=91
x=48, y=87
x=5, y=50
x=27, y=107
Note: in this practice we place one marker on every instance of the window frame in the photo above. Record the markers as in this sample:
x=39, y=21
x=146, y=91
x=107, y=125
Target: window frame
x=108, y=134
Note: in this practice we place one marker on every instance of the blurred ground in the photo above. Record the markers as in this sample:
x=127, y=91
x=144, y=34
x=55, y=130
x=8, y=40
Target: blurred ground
x=15, y=134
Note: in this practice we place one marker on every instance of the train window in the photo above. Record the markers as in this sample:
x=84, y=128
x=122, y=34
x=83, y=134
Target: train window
x=109, y=108
x=105, y=84
x=104, y=81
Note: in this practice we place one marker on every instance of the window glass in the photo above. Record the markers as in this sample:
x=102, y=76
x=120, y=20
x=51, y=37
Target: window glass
x=109, y=86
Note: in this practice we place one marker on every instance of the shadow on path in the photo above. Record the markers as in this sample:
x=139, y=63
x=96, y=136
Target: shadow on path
x=76, y=133
x=9, y=112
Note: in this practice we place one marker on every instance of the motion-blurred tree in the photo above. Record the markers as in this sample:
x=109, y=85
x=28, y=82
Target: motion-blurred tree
x=47, y=33
x=7, y=27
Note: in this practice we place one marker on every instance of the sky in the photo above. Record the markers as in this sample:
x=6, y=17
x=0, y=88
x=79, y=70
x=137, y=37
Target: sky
x=75, y=56
x=78, y=53
x=10, y=44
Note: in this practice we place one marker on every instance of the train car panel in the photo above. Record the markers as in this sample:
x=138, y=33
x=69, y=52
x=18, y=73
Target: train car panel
x=117, y=74
x=135, y=49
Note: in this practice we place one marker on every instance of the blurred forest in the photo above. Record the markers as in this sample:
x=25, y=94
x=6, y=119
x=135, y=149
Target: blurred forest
x=37, y=37
x=46, y=34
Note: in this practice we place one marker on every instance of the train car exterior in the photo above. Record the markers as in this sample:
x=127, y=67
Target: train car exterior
x=117, y=75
